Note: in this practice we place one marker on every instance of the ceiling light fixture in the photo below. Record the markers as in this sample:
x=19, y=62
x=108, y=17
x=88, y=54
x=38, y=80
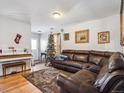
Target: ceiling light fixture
x=39, y=31
x=56, y=14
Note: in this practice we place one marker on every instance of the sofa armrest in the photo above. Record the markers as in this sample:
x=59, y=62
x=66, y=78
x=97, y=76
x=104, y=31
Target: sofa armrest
x=112, y=80
x=70, y=86
x=119, y=87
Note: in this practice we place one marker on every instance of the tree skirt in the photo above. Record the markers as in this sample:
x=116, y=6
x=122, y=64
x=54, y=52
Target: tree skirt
x=45, y=80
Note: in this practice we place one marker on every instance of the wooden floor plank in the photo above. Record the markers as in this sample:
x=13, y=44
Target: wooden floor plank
x=17, y=84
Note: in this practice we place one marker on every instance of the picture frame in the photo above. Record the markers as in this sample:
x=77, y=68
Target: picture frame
x=104, y=37
x=121, y=24
x=66, y=36
x=82, y=36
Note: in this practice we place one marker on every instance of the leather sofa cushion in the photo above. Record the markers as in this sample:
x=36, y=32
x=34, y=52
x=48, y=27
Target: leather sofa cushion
x=101, y=76
x=116, y=62
x=85, y=52
x=84, y=76
x=100, y=53
x=108, y=54
x=103, y=62
x=68, y=51
x=70, y=56
x=66, y=68
x=81, y=58
x=69, y=63
x=95, y=59
x=91, y=67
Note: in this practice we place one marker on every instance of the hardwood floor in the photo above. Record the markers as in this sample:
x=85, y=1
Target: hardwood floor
x=18, y=84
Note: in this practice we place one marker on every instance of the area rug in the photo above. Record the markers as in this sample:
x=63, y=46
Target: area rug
x=45, y=80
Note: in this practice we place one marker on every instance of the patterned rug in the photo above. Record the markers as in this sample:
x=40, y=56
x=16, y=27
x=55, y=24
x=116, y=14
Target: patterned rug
x=45, y=80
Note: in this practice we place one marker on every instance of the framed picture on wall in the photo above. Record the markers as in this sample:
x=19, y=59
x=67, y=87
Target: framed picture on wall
x=82, y=36
x=66, y=36
x=103, y=37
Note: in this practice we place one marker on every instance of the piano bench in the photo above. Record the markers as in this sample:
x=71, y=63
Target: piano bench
x=9, y=65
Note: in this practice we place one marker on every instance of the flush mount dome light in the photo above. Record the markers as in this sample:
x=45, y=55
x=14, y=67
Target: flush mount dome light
x=39, y=31
x=56, y=14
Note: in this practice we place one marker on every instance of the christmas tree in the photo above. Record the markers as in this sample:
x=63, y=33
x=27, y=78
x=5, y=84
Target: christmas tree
x=51, y=46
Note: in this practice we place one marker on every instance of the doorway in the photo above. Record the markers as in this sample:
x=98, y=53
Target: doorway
x=34, y=48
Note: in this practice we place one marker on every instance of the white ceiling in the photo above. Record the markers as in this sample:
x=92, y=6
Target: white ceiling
x=38, y=12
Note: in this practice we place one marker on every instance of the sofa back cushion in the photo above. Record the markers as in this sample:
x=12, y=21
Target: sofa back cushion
x=70, y=56
x=116, y=62
x=83, y=52
x=68, y=51
x=103, y=74
x=81, y=58
x=95, y=59
x=108, y=54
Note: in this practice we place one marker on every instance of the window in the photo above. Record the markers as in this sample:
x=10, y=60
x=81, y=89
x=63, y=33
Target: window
x=33, y=44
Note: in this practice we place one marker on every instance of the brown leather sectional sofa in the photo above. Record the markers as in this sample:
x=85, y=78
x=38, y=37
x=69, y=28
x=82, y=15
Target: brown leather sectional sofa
x=94, y=72
x=78, y=59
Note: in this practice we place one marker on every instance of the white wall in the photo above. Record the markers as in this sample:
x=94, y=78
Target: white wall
x=111, y=24
x=8, y=30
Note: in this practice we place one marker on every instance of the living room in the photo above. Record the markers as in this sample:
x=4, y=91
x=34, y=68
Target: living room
x=61, y=46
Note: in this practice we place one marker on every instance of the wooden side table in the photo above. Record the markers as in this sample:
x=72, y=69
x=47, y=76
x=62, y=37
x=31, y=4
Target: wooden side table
x=9, y=65
x=43, y=54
